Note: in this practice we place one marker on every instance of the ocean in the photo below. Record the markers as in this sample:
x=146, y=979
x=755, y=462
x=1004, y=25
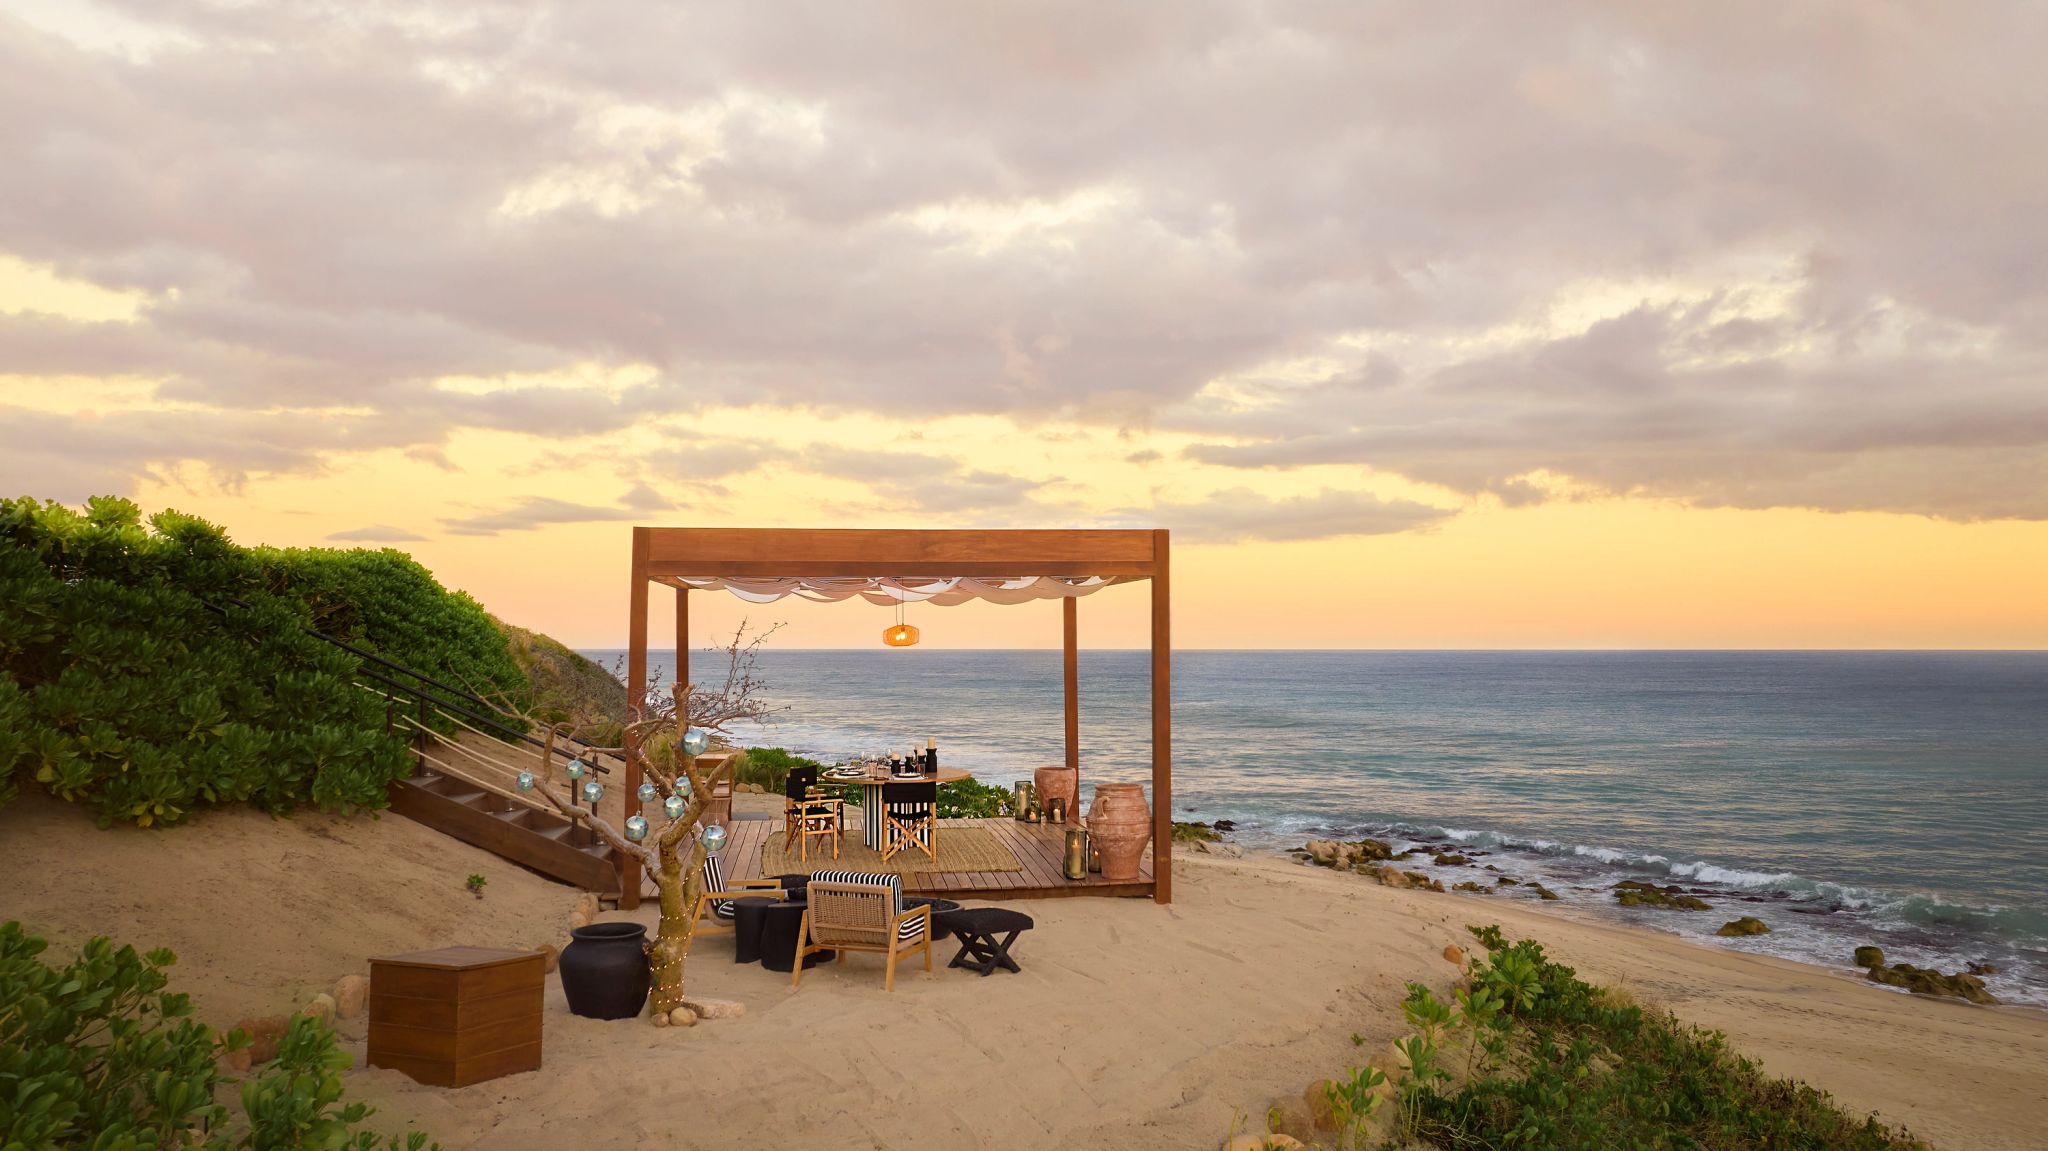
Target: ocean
x=1894, y=798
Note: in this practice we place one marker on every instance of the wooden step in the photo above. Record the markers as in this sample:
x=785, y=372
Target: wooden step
x=537, y=840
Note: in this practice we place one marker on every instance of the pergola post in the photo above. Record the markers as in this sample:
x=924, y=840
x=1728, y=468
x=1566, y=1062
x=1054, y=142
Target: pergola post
x=682, y=669
x=1162, y=723
x=636, y=703
x=1069, y=611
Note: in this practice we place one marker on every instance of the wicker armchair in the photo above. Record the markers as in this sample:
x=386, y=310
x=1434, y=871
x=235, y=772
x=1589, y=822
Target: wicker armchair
x=851, y=911
x=713, y=912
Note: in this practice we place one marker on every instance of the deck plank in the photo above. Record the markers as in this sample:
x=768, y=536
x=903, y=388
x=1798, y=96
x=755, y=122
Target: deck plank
x=1039, y=849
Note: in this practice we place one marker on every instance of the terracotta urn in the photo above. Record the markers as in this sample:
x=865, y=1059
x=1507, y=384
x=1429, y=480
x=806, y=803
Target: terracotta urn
x=1120, y=824
x=1058, y=783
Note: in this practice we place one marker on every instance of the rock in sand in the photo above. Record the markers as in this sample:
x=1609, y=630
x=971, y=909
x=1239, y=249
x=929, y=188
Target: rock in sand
x=351, y=995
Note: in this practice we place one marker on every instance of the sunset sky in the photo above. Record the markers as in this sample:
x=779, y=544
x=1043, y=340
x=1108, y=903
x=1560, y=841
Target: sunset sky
x=1475, y=325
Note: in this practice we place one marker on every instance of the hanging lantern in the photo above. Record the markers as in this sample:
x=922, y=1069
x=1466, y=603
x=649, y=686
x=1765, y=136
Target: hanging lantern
x=574, y=770
x=636, y=828
x=526, y=781
x=899, y=634
x=648, y=793
x=592, y=790
x=696, y=741
x=714, y=839
x=674, y=806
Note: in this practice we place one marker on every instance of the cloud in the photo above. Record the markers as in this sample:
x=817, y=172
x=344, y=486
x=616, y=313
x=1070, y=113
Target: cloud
x=1741, y=256
x=922, y=483
x=1239, y=514
x=376, y=533
x=535, y=512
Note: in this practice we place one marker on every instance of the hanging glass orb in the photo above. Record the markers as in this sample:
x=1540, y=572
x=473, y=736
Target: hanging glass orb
x=696, y=741
x=682, y=785
x=714, y=839
x=575, y=769
x=526, y=781
x=649, y=793
x=674, y=806
x=592, y=790
x=636, y=828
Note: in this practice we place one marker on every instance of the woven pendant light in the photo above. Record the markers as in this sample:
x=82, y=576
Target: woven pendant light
x=899, y=634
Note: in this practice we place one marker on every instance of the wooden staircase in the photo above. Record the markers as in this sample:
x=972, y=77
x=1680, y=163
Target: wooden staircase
x=538, y=840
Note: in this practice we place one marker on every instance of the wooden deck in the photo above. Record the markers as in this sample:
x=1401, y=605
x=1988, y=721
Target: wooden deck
x=1038, y=846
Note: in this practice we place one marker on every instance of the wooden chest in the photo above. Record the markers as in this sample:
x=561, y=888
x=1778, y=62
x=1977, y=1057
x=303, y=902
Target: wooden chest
x=457, y=1015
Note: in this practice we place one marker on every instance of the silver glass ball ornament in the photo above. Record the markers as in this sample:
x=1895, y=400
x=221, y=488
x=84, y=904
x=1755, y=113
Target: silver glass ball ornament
x=696, y=741
x=636, y=828
x=575, y=769
x=649, y=793
x=526, y=781
x=674, y=806
x=592, y=790
x=714, y=839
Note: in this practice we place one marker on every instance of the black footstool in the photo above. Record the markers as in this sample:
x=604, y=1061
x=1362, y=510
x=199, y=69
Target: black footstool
x=976, y=928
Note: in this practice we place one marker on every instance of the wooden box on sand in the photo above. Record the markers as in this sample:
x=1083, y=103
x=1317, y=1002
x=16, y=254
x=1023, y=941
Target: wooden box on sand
x=457, y=1015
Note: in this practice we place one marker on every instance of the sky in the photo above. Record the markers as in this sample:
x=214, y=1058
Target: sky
x=1480, y=325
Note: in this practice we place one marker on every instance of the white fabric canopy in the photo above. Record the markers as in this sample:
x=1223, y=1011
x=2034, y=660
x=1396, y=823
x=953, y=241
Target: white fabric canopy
x=882, y=590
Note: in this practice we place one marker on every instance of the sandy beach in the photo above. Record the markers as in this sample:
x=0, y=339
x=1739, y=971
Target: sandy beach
x=1132, y=1024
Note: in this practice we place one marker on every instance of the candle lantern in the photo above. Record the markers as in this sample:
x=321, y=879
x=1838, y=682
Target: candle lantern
x=1056, y=809
x=1025, y=797
x=1075, y=864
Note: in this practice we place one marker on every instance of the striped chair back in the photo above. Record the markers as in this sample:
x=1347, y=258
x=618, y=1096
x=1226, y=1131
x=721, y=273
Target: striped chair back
x=714, y=880
x=859, y=908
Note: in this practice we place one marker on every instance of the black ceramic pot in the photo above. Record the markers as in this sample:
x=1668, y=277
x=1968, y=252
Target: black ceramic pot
x=605, y=972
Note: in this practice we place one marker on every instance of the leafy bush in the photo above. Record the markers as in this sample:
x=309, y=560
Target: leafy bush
x=152, y=668
x=966, y=799
x=385, y=602
x=98, y=1054
x=1592, y=1072
x=768, y=767
x=149, y=672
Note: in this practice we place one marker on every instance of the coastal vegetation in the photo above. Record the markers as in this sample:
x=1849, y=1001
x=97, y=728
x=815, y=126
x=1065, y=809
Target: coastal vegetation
x=1524, y=1053
x=98, y=1053
x=154, y=667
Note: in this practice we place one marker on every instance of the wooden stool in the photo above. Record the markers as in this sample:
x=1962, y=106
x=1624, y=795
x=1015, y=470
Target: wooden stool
x=457, y=1015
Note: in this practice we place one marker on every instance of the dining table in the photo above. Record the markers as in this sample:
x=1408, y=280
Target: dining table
x=870, y=781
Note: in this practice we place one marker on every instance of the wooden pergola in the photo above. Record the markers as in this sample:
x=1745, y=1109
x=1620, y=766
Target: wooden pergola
x=674, y=556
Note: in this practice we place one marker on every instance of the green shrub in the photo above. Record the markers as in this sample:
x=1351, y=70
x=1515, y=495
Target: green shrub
x=768, y=767
x=98, y=1054
x=155, y=667
x=384, y=601
x=150, y=673
x=1595, y=1073
x=967, y=799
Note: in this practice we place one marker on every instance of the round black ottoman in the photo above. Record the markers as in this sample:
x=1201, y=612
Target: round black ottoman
x=977, y=929
x=779, y=927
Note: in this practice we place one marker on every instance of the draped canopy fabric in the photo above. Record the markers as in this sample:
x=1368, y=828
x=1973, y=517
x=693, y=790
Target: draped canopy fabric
x=885, y=590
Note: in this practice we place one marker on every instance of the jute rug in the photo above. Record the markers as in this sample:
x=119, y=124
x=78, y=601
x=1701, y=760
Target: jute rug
x=960, y=849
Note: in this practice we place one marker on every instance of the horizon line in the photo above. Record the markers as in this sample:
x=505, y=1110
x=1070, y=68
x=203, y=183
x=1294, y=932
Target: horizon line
x=1434, y=650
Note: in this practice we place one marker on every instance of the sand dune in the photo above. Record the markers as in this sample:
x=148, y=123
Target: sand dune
x=1132, y=1025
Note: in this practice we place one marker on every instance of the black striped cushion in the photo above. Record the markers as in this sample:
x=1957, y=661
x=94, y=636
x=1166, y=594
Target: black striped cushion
x=714, y=880
x=909, y=932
